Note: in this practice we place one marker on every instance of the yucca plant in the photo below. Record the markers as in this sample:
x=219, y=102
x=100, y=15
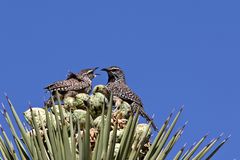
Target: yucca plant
x=89, y=127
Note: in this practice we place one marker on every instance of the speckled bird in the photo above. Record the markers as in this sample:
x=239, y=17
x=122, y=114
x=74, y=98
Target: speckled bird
x=117, y=85
x=75, y=83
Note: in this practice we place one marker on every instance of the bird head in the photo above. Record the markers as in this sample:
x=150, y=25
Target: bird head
x=89, y=72
x=84, y=73
x=114, y=73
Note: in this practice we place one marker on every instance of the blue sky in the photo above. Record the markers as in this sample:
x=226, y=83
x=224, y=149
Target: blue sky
x=173, y=53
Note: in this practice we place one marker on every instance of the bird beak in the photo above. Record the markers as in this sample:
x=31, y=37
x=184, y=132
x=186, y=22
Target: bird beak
x=96, y=74
x=94, y=69
x=104, y=69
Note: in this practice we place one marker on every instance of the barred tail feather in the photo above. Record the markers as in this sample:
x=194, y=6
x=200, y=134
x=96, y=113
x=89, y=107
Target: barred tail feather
x=144, y=114
x=147, y=117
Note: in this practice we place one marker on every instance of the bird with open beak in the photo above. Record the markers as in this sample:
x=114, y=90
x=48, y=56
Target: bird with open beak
x=75, y=83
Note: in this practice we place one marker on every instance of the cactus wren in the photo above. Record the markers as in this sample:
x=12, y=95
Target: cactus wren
x=117, y=85
x=75, y=83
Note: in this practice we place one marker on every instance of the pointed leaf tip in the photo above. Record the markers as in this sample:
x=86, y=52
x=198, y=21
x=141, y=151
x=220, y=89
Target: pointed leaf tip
x=181, y=109
x=185, y=144
x=185, y=124
x=226, y=139
x=173, y=110
x=221, y=134
x=5, y=94
x=183, y=147
x=206, y=135
x=218, y=137
x=3, y=106
x=153, y=116
x=229, y=136
x=194, y=143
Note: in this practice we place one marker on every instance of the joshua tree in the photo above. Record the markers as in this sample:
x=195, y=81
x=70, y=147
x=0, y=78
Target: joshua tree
x=88, y=127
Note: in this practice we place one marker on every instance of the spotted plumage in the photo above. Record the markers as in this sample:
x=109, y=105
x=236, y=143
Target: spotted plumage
x=75, y=83
x=117, y=85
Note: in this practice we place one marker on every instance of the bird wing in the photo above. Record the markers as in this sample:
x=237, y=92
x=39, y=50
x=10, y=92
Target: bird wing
x=66, y=85
x=121, y=90
x=79, y=86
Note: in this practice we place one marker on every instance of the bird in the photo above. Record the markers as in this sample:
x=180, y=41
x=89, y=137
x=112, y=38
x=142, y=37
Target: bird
x=74, y=83
x=117, y=86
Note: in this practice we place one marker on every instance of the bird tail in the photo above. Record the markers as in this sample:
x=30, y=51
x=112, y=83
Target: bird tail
x=148, y=118
x=145, y=115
